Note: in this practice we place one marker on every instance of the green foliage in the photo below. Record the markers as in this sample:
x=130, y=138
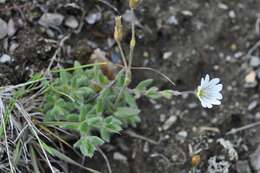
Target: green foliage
x=84, y=101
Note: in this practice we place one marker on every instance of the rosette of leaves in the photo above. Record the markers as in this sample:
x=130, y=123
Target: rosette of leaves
x=87, y=102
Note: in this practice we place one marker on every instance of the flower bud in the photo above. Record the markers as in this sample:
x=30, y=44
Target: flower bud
x=133, y=3
x=118, y=33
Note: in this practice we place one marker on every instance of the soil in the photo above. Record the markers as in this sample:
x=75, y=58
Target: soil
x=206, y=39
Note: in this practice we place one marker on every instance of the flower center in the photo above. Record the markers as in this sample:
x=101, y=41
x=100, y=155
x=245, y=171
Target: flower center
x=200, y=92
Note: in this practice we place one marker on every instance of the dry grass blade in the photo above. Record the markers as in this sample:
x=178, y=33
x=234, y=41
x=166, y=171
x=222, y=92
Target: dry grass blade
x=65, y=158
x=34, y=161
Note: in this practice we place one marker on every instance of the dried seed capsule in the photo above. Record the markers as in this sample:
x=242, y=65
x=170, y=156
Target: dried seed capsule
x=133, y=3
x=118, y=33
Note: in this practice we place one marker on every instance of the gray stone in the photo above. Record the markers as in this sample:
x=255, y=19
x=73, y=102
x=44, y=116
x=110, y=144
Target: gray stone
x=255, y=159
x=5, y=58
x=172, y=20
x=71, y=22
x=93, y=17
x=182, y=134
x=12, y=29
x=254, y=61
x=120, y=157
x=3, y=28
x=169, y=122
x=242, y=166
x=252, y=105
x=258, y=73
x=51, y=19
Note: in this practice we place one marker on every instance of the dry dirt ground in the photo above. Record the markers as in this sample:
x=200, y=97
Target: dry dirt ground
x=184, y=39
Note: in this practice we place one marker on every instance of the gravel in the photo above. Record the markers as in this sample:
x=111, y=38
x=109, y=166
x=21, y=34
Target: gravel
x=3, y=28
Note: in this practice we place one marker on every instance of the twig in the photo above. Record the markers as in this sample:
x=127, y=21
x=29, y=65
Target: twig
x=249, y=126
x=106, y=160
x=57, y=51
x=133, y=134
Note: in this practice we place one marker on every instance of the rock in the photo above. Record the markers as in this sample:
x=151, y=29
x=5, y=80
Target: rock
x=51, y=19
x=254, y=61
x=242, y=166
x=192, y=105
x=167, y=55
x=222, y=6
x=93, y=17
x=187, y=13
x=172, y=20
x=182, y=134
x=238, y=55
x=11, y=28
x=255, y=159
x=258, y=73
x=169, y=122
x=250, y=80
x=71, y=22
x=5, y=58
x=3, y=29
x=120, y=157
x=252, y=105
x=232, y=14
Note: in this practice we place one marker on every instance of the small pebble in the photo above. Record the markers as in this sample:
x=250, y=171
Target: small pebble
x=5, y=58
x=251, y=79
x=238, y=55
x=172, y=20
x=222, y=6
x=187, y=13
x=93, y=17
x=120, y=157
x=254, y=61
x=146, y=147
x=182, y=134
x=257, y=115
x=258, y=73
x=3, y=28
x=162, y=117
x=11, y=28
x=71, y=22
x=51, y=19
x=252, y=105
x=167, y=55
x=232, y=14
x=169, y=122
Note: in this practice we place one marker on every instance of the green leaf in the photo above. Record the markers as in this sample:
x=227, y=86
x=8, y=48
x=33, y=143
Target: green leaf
x=96, y=141
x=167, y=94
x=88, y=145
x=130, y=100
x=84, y=127
x=126, y=111
x=142, y=86
x=95, y=121
x=120, y=78
x=153, y=93
x=128, y=115
x=100, y=105
x=105, y=134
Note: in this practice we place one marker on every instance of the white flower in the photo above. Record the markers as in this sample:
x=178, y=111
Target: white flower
x=209, y=92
